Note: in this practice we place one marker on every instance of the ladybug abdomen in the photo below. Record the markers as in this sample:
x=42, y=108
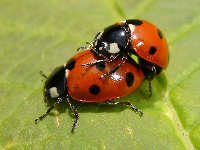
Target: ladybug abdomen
x=83, y=82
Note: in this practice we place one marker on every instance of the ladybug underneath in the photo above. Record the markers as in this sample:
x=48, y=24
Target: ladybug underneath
x=75, y=82
x=137, y=37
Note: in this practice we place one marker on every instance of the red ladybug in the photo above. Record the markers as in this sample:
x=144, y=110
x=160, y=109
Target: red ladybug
x=137, y=37
x=75, y=82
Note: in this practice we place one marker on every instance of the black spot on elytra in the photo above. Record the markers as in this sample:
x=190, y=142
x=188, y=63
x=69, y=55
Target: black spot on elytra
x=135, y=22
x=160, y=34
x=71, y=63
x=100, y=66
x=129, y=79
x=94, y=89
x=152, y=50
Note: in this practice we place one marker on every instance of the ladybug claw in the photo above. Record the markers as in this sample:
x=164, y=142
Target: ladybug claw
x=140, y=113
x=43, y=74
x=83, y=48
x=36, y=121
x=80, y=48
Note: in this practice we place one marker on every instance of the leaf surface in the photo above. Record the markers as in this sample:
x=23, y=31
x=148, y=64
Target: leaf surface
x=40, y=35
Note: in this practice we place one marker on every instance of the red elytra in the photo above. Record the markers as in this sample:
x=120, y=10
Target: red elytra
x=84, y=85
x=149, y=43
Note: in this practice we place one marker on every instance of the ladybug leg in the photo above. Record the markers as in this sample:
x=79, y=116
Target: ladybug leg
x=96, y=62
x=43, y=74
x=75, y=112
x=94, y=42
x=150, y=88
x=97, y=54
x=90, y=44
x=124, y=58
x=96, y=38
x=150, y=78
x=84, y=47
x=128, y=104
x=101, y=61
x=59, y=100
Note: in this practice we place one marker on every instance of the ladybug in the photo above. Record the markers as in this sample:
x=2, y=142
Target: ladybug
x=137, y=37
x=73, y=82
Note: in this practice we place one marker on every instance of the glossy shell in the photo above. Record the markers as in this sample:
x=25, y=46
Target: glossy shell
x=148, y=42
x=84, y=85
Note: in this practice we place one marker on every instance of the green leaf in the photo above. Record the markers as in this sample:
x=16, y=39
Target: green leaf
x=40, y=35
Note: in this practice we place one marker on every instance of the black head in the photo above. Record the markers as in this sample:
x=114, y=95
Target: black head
x=113, y=40
x=55, y=85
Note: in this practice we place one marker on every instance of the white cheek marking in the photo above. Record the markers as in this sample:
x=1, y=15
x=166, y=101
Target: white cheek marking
x=66, y=73
x=53, y=92
x=114, y=48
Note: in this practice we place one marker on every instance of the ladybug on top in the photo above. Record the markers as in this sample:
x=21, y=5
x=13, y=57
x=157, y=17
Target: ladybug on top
x=137, y=37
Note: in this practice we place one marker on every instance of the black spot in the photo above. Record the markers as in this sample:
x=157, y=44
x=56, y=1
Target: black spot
x=160, y=34
x=70, y=64
x=135, y=22
x=100, y=66
x=129, y=79
x=94, y=89
x=152, y=50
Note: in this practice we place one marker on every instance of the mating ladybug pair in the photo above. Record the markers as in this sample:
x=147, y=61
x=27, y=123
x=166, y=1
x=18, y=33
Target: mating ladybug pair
x=105, y=71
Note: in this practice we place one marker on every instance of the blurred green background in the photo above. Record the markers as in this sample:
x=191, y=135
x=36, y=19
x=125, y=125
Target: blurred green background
x=40, y=35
